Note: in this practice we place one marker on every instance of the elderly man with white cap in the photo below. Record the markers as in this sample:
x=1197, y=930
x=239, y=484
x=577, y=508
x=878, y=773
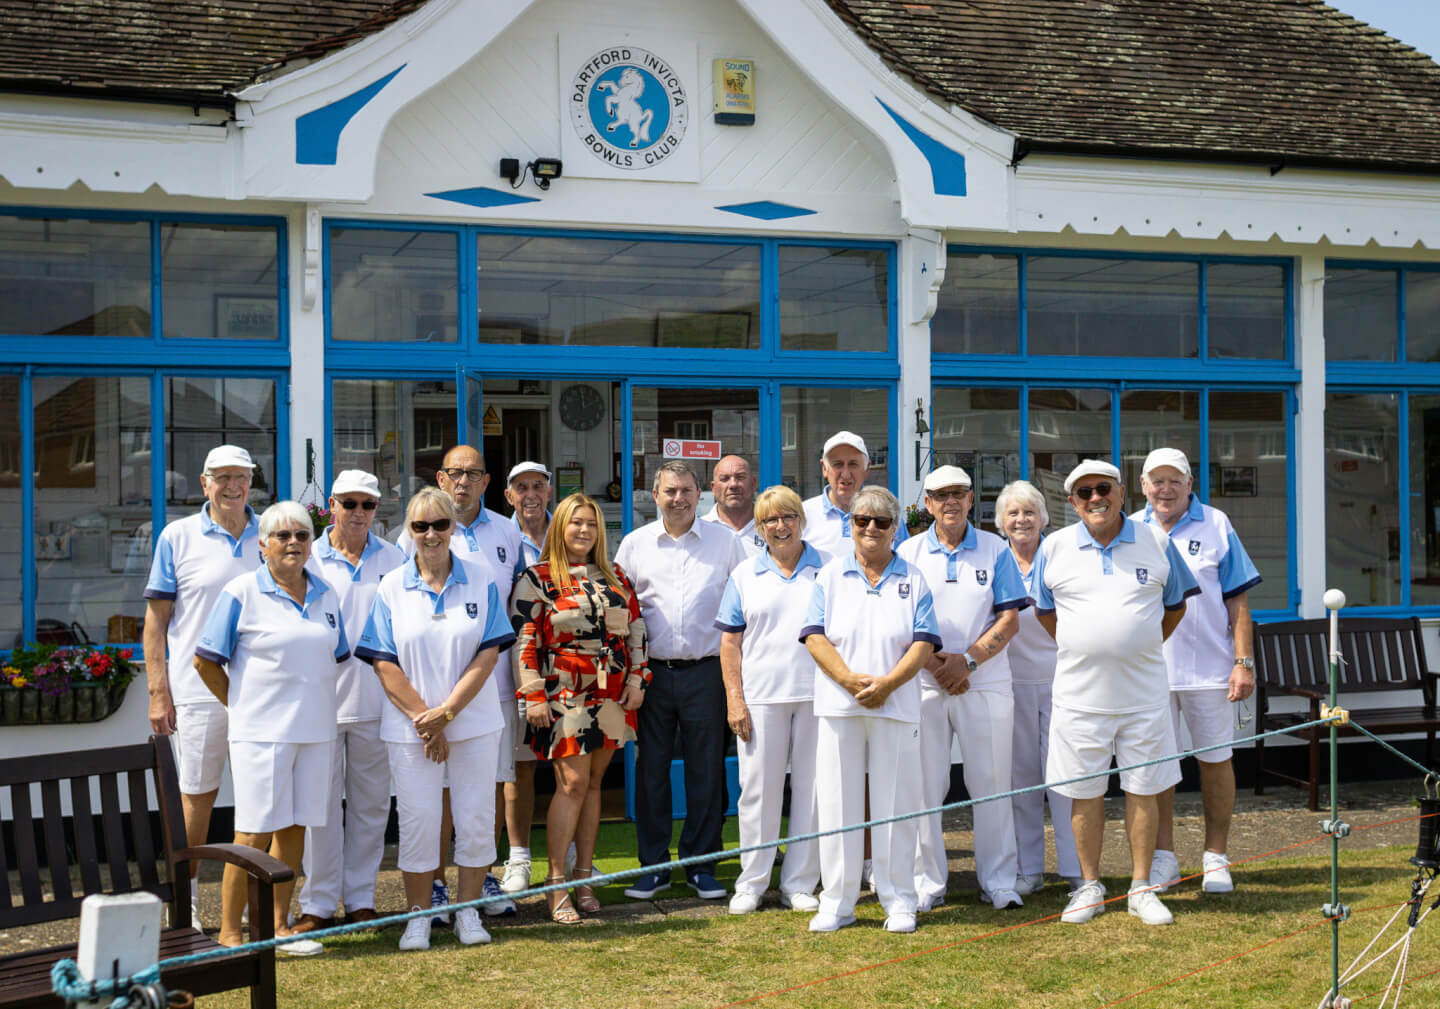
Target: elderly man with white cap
x=194, y=558
x=1110, y=590
x=527, y=490
x=1210, y=658
x=845, y=462
x=965, y=687
x=342, y=857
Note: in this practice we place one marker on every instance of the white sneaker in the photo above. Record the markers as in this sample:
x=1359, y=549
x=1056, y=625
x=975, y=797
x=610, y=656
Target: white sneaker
x=1164, y=870
x=901, y=921
x=867, y=875
x=1217, y=873
x=1086, y=902
x=929, y=902
x=744, y=903
x=1028, y=883
x=468, y=928
x=1146, y=906
x=417, y=933
x=800, y=901
x=1005, y=900
x=301, y=947
x=517, y=876
x=503, y=906
x=824, y=922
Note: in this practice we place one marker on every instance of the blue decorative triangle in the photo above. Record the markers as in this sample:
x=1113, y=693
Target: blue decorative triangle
x=947, y=167
x=765, y=210
x=482, y=196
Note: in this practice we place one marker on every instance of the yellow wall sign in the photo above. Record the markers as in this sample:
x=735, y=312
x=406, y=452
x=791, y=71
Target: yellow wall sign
x=734, y=92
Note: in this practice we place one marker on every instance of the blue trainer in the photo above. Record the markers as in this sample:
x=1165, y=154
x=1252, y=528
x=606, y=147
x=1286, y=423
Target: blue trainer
x=439, y=897
x=503, y=907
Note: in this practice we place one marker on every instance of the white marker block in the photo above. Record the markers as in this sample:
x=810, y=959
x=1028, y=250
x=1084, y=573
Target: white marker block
x=119, y=935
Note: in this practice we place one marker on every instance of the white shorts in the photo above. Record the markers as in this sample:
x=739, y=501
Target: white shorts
x=279, y=785
x=1210, y=717
x=505, y=761
x=1082, y=742
x=202, y=732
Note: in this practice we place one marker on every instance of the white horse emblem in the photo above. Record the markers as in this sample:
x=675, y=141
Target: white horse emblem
x=623, y=106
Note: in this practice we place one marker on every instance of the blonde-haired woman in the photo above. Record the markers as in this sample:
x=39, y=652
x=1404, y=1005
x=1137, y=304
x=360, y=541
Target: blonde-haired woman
x=581, y=669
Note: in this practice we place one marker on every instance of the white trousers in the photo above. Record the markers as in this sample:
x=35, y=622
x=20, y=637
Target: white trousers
x=1027, y=767
x=847, y=749
x=419, y=784
x=779, y=733
x=342, y=858
x=982, y=719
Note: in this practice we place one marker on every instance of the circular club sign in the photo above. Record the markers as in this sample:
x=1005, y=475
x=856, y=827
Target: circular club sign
x=629, y=107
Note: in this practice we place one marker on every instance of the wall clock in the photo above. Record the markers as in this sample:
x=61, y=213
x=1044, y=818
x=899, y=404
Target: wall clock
x=582, y=408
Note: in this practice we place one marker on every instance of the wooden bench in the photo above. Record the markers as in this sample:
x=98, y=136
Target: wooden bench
x=1382, y=656
x=119, y=841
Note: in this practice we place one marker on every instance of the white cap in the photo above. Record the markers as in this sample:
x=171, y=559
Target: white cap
x=846, y=438
x=1172, y=457
x=947, y=476
x=355, y=481
x=228, y=455
x=527, y=467
x=1091, y=467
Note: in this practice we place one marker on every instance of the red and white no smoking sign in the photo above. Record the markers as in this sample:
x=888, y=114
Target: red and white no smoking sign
x=685, y=448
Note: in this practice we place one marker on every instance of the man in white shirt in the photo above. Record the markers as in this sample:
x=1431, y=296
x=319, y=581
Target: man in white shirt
x=1210, y=657
x=733, y=485
x=342, y=857
x=679, y=567
x=194, y=558
x=1110, y=591
x=845, y=462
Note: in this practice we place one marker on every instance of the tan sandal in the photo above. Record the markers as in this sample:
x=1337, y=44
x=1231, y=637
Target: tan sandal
x=585, y=898
x=561, y=910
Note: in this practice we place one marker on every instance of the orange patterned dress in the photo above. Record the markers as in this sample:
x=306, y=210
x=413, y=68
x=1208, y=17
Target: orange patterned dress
x=576, y=648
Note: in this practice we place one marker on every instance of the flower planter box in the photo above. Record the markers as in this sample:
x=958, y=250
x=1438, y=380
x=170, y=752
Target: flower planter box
x=84, y=703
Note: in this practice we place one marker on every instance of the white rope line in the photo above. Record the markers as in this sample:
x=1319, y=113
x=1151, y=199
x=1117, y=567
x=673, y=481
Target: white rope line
x=1402, y=961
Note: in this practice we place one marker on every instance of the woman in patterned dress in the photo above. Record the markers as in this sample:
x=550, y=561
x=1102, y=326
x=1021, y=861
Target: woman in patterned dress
x=581, y=670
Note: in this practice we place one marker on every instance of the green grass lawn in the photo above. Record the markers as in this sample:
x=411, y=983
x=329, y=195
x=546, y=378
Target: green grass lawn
x=696, y=955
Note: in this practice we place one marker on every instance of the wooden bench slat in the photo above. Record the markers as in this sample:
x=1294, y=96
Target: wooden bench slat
x=140, y=830
x=114, y=832
x=44, y=766
x=55, y=850
x=87, y=853
x=26, y=862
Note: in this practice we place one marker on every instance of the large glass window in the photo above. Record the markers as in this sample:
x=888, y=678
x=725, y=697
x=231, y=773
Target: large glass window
x=10, y=560
x=617, y=292
x=74, y=277
x=809, y=416
x=979, y=306
x=394, y=286
x=1362, y=518
x=1245, y=305
x=979, y=431
x=687, y=424
x=834, y=298
x=1361, y=314
x=1422, y=315
x=1066, y=425
x=201, y=413
x=219, y=281
x=1425, y=499
x=1112, y=307
x=1250, y=482
x=1151, y=419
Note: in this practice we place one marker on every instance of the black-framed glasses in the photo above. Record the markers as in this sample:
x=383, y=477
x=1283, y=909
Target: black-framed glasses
x=789, y=518
x=881, y=522
x=352, y=504
x=458, y=474
x=420, y=527
x=285, y=535
x=1103, y=488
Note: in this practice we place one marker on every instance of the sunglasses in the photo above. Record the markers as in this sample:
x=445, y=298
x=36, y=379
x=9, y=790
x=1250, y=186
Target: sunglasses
x=285, y=535
x=880, y=522
x=352, y=504
x=1086, y=493
x=421, y=528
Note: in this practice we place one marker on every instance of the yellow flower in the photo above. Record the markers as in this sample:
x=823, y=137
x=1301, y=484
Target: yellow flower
x=19, y=681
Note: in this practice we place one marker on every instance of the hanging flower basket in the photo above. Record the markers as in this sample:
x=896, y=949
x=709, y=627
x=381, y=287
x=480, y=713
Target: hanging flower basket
x=917, y=519
x=55, y=685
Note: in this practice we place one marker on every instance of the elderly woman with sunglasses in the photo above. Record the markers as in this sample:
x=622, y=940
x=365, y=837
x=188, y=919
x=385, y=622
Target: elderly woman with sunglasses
x=436, y=628
x=769, y=694
x=269, y=653
x=871, y=627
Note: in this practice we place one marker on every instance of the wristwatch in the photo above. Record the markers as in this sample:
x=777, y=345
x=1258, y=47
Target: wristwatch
x=449, y=715
x=970, y=663
x=1247, y=663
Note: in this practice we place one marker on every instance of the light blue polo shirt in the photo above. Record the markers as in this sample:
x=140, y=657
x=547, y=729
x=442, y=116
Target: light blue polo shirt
x=1109, y=602
x=1201, y=652
x=282, y=657
x=433, y=637
x=971, y=585
x=529, y=549
x=194, y=559
x=769, y=609
x=871, y=628
x=828, y=528
x=358, y=693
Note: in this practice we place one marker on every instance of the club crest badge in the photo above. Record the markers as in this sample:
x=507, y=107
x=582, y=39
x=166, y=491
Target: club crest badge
x=629, y=107
x=1194, y=547
x=330, y=617
x=981, y=577
x=1142, y=575
x=500, y=552
x=472, y=610
x=904, y=590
